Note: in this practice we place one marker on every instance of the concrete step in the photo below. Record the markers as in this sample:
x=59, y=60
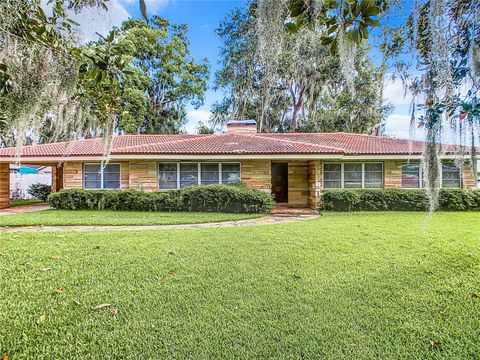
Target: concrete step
x=283, y=210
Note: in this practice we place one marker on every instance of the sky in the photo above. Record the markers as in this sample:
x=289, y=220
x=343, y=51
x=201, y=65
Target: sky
x=202, y=17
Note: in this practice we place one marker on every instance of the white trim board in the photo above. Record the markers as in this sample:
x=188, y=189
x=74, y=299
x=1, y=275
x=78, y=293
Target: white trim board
x=230, y=157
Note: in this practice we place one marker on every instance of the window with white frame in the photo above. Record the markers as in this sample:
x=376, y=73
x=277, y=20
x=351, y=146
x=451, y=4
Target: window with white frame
x=373, y=176
x=209, y=173
x=413, y=175
x=353, y=175
x=167, y=175
x=230, y=173
x=180, y=175
x=188, y=174
x=97, y=177
x=451, y=177
x=332, y=176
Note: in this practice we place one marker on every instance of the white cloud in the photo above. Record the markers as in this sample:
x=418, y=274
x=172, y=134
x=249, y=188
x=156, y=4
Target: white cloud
x=153, y=6
x=398, y=125
x=394, y=92
x=95, y=20
x=194, y=117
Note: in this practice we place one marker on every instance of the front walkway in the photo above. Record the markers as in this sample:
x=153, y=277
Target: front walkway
x=268, y=220
x=24, y=209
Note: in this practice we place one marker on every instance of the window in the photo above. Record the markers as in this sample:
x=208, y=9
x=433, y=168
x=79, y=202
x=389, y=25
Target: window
x=353, y=175
x=451, y=176
x=373, y=178
x=167, y=176
x=209, y=173
x=180, y=175
x=332, y=176
x=188, y=174
x=96, y=177
x=230, y=173
x=412, y=176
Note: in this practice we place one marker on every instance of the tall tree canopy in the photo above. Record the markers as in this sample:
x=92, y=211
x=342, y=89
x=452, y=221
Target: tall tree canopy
x=443, y=39
x=137, y=79
x=47, y=81
x=162, y=77
x=304, y=90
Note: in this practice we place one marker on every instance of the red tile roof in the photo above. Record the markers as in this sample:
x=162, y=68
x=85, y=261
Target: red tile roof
x=230, y=144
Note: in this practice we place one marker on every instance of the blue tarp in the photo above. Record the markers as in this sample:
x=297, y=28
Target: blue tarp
x=27, y=170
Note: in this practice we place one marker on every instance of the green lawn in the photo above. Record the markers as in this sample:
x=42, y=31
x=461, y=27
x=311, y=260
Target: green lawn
x=14, y=203
x=353, y=286
x=93, y=217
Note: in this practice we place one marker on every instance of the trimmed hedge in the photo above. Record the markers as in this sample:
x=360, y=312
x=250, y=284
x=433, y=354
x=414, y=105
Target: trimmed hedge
x=209, y=198
x=399, y=200
x=222, y=198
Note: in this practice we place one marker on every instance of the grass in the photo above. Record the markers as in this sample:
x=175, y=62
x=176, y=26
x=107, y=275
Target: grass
x=360, y=285
x=97, y=217
x=14, y=203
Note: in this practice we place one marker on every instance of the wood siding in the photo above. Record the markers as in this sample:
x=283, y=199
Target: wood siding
x=143, y=175
x=58, y=177
x=392, y=173
x=298, y=189
x=314, y=184
x=257, y=174
x=54, y=179
x=124, y=175
x=4, y=185
x=469, y=178
x=73, y=175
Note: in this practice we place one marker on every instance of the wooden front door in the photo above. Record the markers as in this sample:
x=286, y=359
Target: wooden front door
x=280, y=182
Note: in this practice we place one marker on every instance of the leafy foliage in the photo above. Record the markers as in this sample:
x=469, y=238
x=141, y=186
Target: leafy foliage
x=307, y=90
x=443, y=39
x=209, y=198
x=399, y=200
x=40, y=191
x=162, y=78
x=137, y=79
x=223, y=198
x=353, y=17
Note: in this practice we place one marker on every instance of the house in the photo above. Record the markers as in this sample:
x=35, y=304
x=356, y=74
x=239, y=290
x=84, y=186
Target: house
x=295, y=167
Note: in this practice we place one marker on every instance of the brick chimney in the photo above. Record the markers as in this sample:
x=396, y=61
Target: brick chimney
x=242, y=126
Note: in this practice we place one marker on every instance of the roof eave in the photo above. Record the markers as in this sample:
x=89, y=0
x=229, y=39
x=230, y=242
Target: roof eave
x=173, y=156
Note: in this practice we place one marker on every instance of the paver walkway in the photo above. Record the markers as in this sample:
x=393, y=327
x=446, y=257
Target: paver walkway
x=24, y=209
x=268, y=220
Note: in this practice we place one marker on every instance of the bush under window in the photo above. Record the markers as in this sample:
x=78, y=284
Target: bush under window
x=208, y=198
x=399, y=200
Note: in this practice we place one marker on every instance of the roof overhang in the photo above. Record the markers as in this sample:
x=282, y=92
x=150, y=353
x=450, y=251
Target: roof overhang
x=60, y=159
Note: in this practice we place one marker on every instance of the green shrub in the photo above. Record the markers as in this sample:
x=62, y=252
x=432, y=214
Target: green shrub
x=405, y=199
x=341, y=200
x=476, y=199
x=83, y=200
x=399, y=200
x=213, y=198
x=223, y=198
x=456, y=199
x=40, y=191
